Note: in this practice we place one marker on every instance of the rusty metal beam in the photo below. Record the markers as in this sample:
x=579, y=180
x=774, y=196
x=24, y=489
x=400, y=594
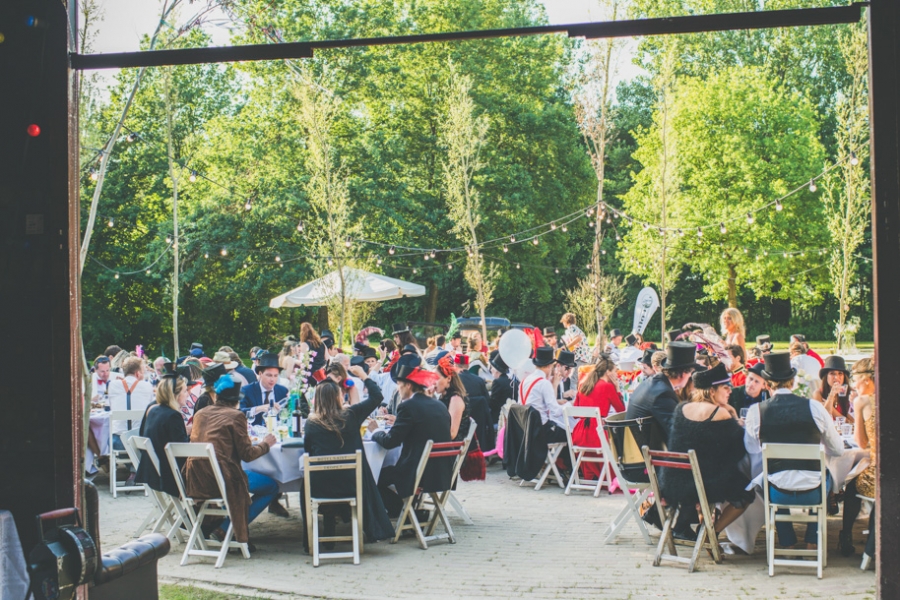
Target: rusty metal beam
x=606, y=29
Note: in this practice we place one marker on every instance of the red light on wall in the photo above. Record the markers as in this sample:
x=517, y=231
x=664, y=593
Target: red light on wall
x=34, y=130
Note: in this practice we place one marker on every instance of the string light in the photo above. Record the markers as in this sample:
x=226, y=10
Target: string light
x=193, y=176
x=248, y=205
x=553, y=226
x=505, y=248
x=749, y=218
x=392, y=250
x=117, y=275
x=699, y=232
x=535, y=241
x=93, y=174
x=512, y=239
x=168, y=240
x=330, y=262
x=722, y=228
x=131, y=137
x=646, y=226
x=206, y=255
x=450, y=267
x=110, y=223
x=426, y=257
x=661, y=231
x=854, y=160
x=590, y=223
x=812, y=185
x=588, y=213
x=378, y=261
x=148, y=271
x=778, y=205
x=518, y=266
x=277, y=258
x=300, y=225
x=414, y=271
x=432, y=254
x=347, y=243
x=557, y=271
x=564, y=228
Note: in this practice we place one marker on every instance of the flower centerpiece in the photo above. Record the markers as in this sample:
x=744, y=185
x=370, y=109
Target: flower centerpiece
x=301, y=386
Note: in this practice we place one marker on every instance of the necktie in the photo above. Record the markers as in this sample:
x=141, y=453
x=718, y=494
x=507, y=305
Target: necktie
x=268, y=401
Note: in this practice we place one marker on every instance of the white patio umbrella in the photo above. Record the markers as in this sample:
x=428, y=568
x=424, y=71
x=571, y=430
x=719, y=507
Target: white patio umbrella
x=360, y=286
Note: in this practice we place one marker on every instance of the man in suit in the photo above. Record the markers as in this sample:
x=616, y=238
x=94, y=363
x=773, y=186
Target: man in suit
x=419, y=418
x=753, y=391
x=259, y=396
x=656, y=396
x=477, y=399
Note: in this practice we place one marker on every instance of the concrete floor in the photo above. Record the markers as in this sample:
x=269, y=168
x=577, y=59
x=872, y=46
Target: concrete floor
x=524, y=544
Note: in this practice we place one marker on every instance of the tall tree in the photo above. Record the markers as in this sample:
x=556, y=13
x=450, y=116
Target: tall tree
x=847, y=188
x=463, y=134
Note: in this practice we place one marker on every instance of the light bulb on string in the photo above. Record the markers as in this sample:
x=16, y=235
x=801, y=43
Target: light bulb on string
x=450, y=267
x=277, y=258
x=646, y=226
x=535, y=241
x=749, y=218
x=131, y=137
x=505, y=248
x=193, y=176
x=812, y=185
x=168, y=240
x=378, y=261
x=432, y=254
x=590, y=223
x=553, y=226
x=564, y=228
x=469, y=252
x=248, y=205
x=414, y=270
x=557, y=271
x=110, y=223
x=148, y=271
x=854, y=160
x=588, y=213
x=512, y=239
x=722, y=228
x=244, y=266
x=93, y=174
x=206, y=255
x=426, y=257
x=681, y=233
x=518, y=266
x=300, y=225
x=603, y=252
x=224, y=252
x=699, y=232
x=661, y=231
x=618, y=238
x=391, y=250
x=347, y=243
x=116, y=275
x=778, y=205
x=330, y=262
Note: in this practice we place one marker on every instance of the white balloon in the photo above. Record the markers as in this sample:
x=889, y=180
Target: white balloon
x=514, y=347
x=523, y=369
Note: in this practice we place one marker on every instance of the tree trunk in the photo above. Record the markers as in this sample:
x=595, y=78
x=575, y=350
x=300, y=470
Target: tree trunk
x=174, y=176
x=431, y=306
x=322, y=318
x=732, y=287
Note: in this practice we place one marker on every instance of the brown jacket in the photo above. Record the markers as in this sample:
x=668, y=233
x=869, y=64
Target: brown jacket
x=226, y=429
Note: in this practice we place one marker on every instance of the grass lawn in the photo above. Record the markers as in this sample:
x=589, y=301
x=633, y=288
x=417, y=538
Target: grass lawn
x=175, y=592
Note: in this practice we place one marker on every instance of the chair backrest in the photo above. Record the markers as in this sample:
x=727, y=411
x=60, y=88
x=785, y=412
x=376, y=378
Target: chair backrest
x=628, y=437
x=333, y=462
x=432, y=450
x=128, y=416
x=144, y=444
x=201, y=451
x=463, y=450
x=580, y=412
x=807, y=452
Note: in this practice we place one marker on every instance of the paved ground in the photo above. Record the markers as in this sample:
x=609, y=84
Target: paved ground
x=524, y=544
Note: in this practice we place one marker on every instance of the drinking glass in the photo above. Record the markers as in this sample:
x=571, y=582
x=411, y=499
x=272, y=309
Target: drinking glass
x=744, y=412
x=847, y=429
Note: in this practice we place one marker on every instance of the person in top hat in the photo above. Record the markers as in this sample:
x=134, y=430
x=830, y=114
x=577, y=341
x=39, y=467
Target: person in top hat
x=538, y=391
x=612, y=347
x=266, y=393
x=409, y=360
x=789, y=419
x=752, y=392
x=419, y=418
x=672, y=335
x=501, y=388
x=551, y=338
x=211, y=374
x=833, y=389
x=403, y=336
x=707, y=425
x=657, y=396
x=646, y=364
x=565, y=362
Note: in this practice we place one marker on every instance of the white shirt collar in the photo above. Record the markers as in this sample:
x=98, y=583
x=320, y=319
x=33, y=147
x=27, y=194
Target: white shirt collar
x=781, y=391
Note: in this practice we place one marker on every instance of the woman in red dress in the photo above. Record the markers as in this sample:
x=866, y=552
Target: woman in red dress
x=599, y=388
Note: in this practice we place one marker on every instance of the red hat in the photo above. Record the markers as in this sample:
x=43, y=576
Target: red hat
x=445, y=365
x=418, y=376
x=461, y=360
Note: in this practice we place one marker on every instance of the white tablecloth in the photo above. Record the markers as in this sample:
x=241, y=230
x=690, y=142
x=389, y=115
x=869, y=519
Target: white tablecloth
x=100, y=429
x=285, y=465
x=13, y=574
x=745, y=529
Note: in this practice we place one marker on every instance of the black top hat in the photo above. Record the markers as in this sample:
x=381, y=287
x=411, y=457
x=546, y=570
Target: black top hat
x=369, y=352
x=681, y=355
x=799, y=337
x=566, y=359
x=266, y=360
x=543, y=357
x=360, y=347
x=757, y=369
x=647, y=358
x=498, y=363
x=672, y=335
x=630, y=339
x=400, y=328
x=778, y=367
x=704, y=380
x=357, y=360
x=614, y=333
x=328, y=342
x=456, y=336
x=326, y=334
x=169, y=369
x=409, y=349
x=764, y=342
x=406, y=360
x=229, y=395
x=548, y=331
x=835, y=363
x=212, y=372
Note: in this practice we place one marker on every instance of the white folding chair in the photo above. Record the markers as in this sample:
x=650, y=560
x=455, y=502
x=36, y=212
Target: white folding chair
x=209, y=507
x=586, y=454
x=123, y=457
x=814, y=453
x=164, y=514
x=452, y=501
x=706, y=536
x=408, y=519
x=550, y=470
x=336, y=462
x=866, y=559
x=621, y=445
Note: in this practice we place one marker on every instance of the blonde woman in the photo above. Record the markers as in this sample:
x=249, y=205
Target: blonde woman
x=163, y=424
x=733, y=329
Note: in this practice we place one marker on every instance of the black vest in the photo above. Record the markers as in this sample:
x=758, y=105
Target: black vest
x=787, y=419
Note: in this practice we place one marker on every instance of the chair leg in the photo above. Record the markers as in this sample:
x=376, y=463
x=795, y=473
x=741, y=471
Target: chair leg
x=418, y=528
x=439, y=504
x=663, y=539
x=821, y=550
x=770, y=539
x=192, y=540
x=223, y=551
x=357, y=541
x=459, y=509
x=314, y=533
x=401, y=522
x=865, y=562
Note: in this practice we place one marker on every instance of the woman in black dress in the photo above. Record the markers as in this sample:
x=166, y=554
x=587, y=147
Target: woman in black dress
x=453, y=395
x=335, y=429
x=162, y=424
x=718, y=440
x=312, y=339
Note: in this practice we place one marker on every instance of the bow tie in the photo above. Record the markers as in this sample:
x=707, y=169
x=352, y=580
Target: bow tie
x=103, y=381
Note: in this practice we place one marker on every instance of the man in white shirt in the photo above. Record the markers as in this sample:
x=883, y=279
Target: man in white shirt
x=790, y=419
x=129, y=393
x=101, y=378
x=539, y=392
x=807, y=367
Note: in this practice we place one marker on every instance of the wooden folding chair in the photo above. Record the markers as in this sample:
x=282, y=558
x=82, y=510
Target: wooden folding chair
x=622, y=445
x=586, y=454
x=408, y=519
x=669, y=514
x=164, y=514
x=123, y=457
x=550, y=470
x=209, y=507
x=335, y=462
x=814, y=453
x=451, y=500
